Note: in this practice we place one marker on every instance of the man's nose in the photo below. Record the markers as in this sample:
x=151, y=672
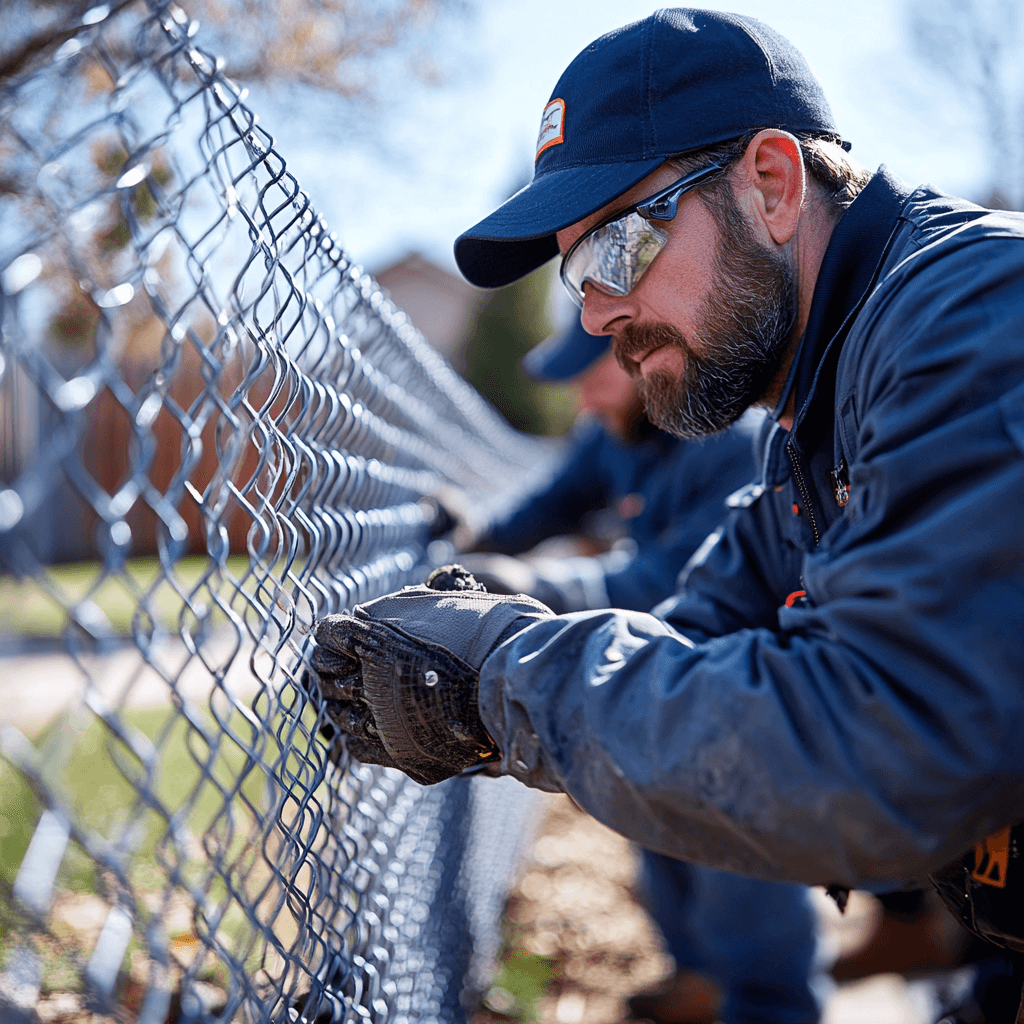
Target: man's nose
x=603, y=313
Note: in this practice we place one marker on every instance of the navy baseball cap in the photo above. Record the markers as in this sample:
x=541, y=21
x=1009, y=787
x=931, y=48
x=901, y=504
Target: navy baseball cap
x=566, y=354
x=680, y=80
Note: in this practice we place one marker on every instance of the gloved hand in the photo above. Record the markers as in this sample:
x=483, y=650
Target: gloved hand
x=400, y=675
x=501, y=574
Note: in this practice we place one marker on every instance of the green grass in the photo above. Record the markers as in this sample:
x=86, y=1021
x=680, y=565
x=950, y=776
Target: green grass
x=523, y=980
x=88, y=768
x=39, y=607
x=204, y=790
x=87, y=765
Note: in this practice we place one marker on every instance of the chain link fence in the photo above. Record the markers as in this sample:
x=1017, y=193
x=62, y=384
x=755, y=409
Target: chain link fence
x=214, y=428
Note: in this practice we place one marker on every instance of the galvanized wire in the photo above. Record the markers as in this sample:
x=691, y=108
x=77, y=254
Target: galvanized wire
x=215, y=428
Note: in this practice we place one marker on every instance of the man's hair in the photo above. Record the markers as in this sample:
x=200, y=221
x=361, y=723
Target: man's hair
x=839, y=181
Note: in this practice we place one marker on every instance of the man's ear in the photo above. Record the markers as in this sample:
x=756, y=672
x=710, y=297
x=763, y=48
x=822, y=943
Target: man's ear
x=772, y=169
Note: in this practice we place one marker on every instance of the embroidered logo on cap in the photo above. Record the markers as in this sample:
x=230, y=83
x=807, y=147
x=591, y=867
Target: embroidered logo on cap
x=552, y=126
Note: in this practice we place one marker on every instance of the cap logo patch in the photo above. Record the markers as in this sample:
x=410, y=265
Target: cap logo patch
x=552, y=126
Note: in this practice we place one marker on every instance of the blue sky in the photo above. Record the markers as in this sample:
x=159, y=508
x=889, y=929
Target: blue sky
x=445, y=157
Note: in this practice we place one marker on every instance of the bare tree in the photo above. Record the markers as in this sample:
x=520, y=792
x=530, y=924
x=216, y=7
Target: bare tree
x=978, y=47
x=351, y=48
x=339, y=45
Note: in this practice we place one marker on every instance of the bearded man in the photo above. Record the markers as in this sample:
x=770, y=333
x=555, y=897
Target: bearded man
x=834, y=695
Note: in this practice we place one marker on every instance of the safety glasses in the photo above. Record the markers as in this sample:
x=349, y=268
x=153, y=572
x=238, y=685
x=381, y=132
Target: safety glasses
x=614, y=254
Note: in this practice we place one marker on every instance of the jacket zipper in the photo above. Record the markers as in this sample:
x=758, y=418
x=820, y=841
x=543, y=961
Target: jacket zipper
x=801, y=484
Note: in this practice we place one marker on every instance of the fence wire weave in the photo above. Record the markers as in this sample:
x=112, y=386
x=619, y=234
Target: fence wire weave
x=215, y=429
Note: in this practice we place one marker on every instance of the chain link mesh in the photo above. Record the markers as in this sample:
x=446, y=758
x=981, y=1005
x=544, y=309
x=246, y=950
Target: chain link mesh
x=215, y=428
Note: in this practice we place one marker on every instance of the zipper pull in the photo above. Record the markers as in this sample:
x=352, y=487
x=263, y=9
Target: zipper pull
x=840, y=483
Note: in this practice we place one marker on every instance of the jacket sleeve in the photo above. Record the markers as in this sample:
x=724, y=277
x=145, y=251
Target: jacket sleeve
x=692, y=496
x=875, y=733
x=734, y=579
x=556, y=508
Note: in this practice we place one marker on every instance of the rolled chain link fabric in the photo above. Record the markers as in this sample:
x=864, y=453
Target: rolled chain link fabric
x=215, y=429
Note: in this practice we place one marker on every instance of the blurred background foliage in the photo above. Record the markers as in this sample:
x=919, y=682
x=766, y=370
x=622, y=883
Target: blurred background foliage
x=511, y=321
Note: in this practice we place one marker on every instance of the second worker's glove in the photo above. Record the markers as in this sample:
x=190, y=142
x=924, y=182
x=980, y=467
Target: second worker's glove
x=400, y=675
x=570, y=584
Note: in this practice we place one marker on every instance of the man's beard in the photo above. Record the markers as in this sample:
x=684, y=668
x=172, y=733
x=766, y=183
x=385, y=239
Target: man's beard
x=743, y=332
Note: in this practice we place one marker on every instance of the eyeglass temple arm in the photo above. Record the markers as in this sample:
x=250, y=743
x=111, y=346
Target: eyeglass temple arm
x=663, y=206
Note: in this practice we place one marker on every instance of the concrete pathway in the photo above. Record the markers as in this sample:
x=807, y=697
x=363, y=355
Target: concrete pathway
x=35, y=687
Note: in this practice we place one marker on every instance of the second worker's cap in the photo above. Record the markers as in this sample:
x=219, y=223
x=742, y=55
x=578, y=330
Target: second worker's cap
x=566, y=354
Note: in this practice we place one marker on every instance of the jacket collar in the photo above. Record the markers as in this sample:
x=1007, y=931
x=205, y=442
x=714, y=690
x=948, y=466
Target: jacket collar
x=848, y=270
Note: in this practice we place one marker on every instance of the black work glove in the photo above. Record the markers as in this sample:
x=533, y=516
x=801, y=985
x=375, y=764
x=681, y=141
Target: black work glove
x=400, y=675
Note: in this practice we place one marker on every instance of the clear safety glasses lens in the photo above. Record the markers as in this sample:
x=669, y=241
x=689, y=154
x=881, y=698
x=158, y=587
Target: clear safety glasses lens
x=613, y=257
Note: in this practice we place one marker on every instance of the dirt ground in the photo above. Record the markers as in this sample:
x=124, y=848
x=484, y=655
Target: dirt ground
x=579, y=943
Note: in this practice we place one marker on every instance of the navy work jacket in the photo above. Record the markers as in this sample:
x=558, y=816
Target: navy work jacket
x=670, y=493
x=836, y=695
